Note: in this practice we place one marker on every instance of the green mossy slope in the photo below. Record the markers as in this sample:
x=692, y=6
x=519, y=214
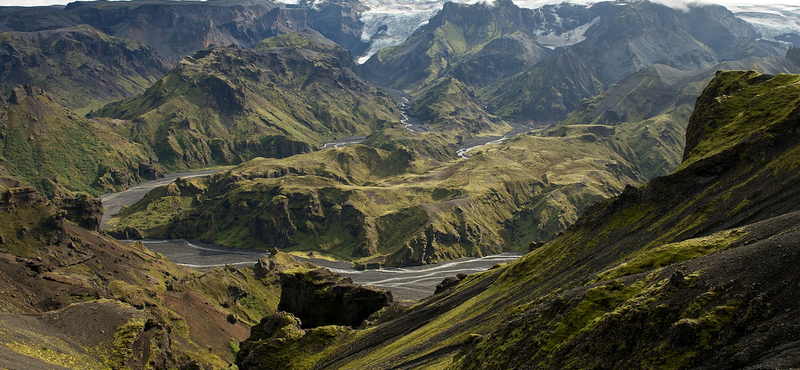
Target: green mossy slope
x=226, y=105
x=689, y=269
x=349, y=202
x=477, y=44
x=77, y=299
x=51, y=148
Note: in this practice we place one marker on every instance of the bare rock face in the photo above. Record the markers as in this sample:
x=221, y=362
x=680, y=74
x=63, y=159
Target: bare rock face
x=84, y=210
x=21, y=196
x=320, y=297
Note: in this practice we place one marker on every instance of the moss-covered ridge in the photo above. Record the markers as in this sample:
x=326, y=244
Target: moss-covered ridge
x=226, y=105
x=686, y=270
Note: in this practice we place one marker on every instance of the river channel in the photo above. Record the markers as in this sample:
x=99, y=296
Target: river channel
x=410, y=283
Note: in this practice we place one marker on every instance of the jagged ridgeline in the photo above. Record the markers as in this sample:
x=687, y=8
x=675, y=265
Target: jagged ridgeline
x=536, y=65
x=81, y=67
x=224, y=105
x=694, y=268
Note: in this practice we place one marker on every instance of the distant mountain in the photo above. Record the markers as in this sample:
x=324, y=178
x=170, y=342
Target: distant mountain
x=546, y=93
x=497, y=40
x=80, y=66
x=654, y=106
x=289, y=95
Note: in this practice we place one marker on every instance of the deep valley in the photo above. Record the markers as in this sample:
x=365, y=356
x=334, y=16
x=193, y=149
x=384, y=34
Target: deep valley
x=360, y=184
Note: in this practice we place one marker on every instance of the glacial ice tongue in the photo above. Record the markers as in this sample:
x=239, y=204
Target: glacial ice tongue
x=398, y=26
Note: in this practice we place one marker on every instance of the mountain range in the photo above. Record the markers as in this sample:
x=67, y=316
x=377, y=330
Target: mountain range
x=643, y=156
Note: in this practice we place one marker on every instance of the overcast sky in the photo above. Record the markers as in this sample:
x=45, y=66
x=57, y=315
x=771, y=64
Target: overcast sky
x=532, y=2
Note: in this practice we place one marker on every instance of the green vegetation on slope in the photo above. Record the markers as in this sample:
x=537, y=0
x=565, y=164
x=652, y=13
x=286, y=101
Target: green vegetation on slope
x=477, y=44
x=686, y=270
x=447, y=105
x=546, y=93
x=51, y=148
x=227, y=105
x=79, y=300
x=397, y=207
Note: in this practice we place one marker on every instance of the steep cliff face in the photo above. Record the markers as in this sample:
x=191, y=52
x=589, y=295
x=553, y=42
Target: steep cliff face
x=320, y=297
x=685, y=271
x=339, y=21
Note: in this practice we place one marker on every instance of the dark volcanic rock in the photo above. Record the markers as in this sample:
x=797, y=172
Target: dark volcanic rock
x=15, y=197
x=320, y=297
x=126, y=233
x=449, y=282
x=84, y=210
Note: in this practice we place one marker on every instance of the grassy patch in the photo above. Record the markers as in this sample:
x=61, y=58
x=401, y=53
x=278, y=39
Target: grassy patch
x=673, y=253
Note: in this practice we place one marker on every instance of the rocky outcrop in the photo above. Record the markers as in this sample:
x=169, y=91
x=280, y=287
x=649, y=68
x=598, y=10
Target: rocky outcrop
x=448, y=283
x=126, y=233
x=84, y=210
x=276, y=337
x=22, y=92
x=278, y=263
x=19, y=197
x=320, y=297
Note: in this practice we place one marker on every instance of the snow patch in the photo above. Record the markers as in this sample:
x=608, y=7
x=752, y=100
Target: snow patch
x=770, y=21
x=568, y=38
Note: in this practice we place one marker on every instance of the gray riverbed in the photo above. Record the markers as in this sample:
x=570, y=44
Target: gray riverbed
x=410, y=283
